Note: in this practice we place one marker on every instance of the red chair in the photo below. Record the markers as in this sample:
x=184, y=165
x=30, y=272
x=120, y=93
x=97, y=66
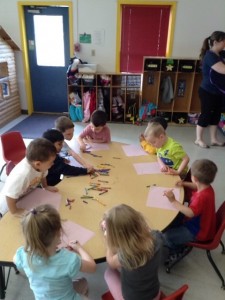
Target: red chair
x=211, y=245
x=107, y=296
x=177, y=295
x=13, y=150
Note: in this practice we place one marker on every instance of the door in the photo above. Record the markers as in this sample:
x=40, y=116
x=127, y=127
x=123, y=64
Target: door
x=47, y=36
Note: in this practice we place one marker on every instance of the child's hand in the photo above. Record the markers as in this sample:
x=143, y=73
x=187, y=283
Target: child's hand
x=103, y=226
x=141, y=138
x=90, y=170
x=74, y=245
x=83, y=147
x=164, y=168
x=52, y=189
x=170, y=195
x=171, y=172
x=66, y=161
x=89, y=139
x=179, y=183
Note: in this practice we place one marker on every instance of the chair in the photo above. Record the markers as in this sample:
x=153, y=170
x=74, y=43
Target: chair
x=177, y=295
x=213, y=244
x=107, y=296
x=13, y=150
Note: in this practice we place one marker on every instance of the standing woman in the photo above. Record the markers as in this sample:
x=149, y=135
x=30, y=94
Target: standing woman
x=211, y=97
x=133, y=255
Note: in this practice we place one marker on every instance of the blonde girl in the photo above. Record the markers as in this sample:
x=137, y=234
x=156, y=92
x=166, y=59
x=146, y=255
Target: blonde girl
x=51, y=272
x=133, y=255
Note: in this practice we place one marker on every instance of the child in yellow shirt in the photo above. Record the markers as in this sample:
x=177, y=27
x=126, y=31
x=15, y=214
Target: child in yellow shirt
x=147, y=147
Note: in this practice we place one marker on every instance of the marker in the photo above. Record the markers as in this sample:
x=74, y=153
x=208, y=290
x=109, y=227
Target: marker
x=103, y=192
x=103, y=181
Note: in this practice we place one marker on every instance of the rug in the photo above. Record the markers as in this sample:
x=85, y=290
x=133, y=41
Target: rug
x=34, y=126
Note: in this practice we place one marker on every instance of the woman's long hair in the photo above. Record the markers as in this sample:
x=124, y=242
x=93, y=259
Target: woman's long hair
x=129, y=236
x=208, y=42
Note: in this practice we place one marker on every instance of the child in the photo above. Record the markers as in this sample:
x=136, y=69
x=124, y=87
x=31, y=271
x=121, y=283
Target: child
x=199, y=218
x=51, y=272
x=27, y=175
x=144, y=144
x=96, y=132
x=66, y=127
x=60, y=166
x=170, y=154
x=133, y=255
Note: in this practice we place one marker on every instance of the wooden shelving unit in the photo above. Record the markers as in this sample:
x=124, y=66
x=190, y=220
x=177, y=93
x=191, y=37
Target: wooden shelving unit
x=185, y=76
x=119, y=94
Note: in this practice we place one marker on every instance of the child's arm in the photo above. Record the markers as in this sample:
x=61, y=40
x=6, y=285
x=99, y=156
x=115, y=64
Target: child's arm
x=48, y=187
x=81, y=143
x=112, y=259
x=163, y=167
x=79, y=159
x=187, y=184
x=188, y=212
x=11, y=202
x=183, y=165
x=88, y=264
x=181, y=168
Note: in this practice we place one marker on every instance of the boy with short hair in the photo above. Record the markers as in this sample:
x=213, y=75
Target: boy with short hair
x=147, y=147
x=60, y=167
x=199, y=218
x=171, y=156
x=66, y=127
x=28, y=174
x=96, y=132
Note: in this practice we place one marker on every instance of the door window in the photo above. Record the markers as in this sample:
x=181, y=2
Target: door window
x=49, y=41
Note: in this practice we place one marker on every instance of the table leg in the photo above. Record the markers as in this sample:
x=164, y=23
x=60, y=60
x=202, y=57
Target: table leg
x=2, y=283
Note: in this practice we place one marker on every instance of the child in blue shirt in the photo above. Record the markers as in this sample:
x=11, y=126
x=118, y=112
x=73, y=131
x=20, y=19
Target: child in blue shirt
x=51, y=272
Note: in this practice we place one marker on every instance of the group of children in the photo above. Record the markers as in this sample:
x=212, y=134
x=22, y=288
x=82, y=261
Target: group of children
x=133, y=265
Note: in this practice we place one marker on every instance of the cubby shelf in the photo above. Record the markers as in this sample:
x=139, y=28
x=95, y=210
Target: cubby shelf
x=119, y=94
x=182, y=75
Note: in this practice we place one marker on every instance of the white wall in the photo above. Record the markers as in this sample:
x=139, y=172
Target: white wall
x=195, y=20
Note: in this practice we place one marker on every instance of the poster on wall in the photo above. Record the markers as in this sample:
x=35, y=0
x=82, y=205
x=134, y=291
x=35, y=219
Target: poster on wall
x=5, y=89
x=85, y=38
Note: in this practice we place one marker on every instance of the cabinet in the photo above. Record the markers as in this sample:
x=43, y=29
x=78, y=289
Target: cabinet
x=118, y=94
x=172, y=85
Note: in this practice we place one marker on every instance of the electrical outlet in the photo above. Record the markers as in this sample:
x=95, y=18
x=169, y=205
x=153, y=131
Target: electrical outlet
x=93, y=52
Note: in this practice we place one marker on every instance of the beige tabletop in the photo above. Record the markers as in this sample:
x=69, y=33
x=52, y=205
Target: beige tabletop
x=125, y=187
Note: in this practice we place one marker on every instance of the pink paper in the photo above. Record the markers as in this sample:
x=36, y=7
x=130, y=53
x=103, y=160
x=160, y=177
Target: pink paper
x=147, y=168
x=73, y=232
x=133, y=150
x=156, y=198
x=38, y=197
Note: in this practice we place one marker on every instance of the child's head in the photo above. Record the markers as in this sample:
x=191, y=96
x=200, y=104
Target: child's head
x=56, y=137
x=155, y=135
x=41, y=228
x=41, y=154
x=204, y=170
x=159, y=120
x=66, y=126
x=125, y=228
x=98, y=120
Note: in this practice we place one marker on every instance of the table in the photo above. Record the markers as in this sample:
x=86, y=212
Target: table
x=126, y=187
